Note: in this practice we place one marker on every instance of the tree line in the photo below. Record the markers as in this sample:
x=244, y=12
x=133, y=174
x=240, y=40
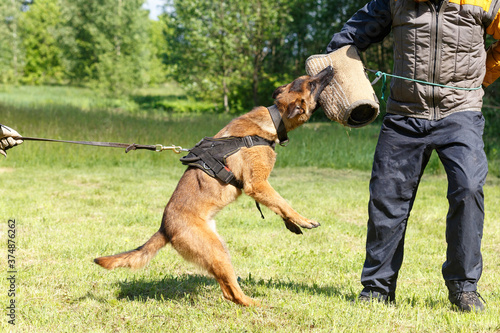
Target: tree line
x=103, y=44
x=231, y=52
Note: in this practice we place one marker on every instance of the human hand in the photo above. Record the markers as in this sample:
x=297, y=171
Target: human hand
x=8, y=139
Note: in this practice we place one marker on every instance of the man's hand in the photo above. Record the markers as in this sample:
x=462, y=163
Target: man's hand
x=8, y=139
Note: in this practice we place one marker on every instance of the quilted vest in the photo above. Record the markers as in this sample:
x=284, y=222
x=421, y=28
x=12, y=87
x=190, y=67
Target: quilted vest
x=444, y=45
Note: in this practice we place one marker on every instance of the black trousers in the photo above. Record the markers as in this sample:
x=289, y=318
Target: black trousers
x=404, y=147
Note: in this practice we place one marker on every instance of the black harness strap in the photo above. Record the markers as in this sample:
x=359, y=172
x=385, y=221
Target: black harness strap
x=211, y=166
x=210, y=155
x=278, y=124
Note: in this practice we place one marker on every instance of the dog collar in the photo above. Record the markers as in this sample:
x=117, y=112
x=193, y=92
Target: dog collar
x=278, y=124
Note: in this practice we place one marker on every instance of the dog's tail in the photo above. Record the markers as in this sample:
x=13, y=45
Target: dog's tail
x=137, y=258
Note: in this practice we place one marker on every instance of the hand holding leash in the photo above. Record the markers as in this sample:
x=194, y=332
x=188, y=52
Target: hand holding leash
x=7, y=139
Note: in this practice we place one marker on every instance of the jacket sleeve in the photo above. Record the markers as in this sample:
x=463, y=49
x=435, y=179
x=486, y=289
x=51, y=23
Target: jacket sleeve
x=493, y=54
x=371, y=24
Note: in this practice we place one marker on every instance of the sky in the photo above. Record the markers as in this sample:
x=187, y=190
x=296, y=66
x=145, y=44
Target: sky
x=154, y=7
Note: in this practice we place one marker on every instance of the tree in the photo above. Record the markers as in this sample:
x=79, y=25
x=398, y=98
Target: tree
x=264, y=25
x=159, y=50
x=203, y=46
x=37, y=28
x=107, y=44
x=220, y=46
x=11, y=53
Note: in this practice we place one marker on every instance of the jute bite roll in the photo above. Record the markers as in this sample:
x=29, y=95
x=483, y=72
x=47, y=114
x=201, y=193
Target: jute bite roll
x=349, y=98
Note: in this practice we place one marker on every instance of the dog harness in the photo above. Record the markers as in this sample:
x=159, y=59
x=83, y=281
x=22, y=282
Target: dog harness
x=210, y=155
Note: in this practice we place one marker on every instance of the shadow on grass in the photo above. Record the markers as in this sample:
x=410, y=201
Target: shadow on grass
x=170, y=287
x=182, y=286
x=186, y=286
x=330, y=291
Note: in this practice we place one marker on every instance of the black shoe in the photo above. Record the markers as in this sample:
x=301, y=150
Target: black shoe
x=378, y=297
x=467, y=301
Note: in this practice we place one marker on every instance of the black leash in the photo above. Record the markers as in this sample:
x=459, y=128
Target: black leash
x=128, y=147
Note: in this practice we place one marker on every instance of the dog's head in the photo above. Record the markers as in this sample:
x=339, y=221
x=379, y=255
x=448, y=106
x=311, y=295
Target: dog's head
x=298, y=100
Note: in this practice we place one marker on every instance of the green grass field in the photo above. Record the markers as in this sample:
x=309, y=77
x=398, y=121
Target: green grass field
x=74, y=203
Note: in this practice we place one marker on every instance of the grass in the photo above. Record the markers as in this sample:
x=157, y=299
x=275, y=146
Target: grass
x=74, y=203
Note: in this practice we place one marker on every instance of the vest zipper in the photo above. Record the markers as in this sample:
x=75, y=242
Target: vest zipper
x=433, y=110
x=437, y=57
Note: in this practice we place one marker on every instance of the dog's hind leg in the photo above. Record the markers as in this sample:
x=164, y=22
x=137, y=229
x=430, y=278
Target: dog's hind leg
x=201, y=244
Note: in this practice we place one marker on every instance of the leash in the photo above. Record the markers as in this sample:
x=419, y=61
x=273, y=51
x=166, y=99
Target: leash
x=128, y=147
x=383, y=76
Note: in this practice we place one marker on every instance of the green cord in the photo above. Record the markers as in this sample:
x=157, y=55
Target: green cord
x=385, y=75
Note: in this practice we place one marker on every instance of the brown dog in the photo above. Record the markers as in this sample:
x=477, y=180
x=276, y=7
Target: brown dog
x=188, y=217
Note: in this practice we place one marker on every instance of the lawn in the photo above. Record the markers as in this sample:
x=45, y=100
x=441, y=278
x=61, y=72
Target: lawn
x=74, y=203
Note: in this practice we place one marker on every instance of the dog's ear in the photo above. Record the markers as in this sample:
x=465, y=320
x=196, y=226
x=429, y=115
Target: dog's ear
x=278, y=91
x=294, y=109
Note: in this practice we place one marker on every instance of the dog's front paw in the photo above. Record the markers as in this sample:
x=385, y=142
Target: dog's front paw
x=294, y=226
x=306, y=223
x=313, y=224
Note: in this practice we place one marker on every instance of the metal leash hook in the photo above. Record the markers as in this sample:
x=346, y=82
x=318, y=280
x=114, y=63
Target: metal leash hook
x=174, y=148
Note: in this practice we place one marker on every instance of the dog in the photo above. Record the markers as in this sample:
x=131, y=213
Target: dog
x=188, y=223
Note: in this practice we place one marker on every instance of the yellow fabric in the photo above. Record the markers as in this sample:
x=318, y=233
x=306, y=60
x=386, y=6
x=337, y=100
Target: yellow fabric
x=494, y=28
x=484, y=4
x=492, y=64
x=493, y=55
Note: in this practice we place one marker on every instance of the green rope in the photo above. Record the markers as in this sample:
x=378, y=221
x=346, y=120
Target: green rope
x=380, y=74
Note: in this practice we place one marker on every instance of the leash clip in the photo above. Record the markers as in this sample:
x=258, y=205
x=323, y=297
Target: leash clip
x=175, y=149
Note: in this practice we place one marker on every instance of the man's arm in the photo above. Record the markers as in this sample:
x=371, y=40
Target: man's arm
x=371, y=24
x=493, y=55
x=8, y=139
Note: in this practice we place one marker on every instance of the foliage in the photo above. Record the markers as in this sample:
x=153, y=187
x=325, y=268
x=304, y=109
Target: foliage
x=231, y=53
x=313, y=24
x=491, y=112
x=159, y=70
x=105, y=42
x=11, y=52
x=109, y=45
x=43, y=56
x=219, y=47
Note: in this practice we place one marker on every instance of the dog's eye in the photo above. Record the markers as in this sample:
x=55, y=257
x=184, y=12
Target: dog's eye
x=312, y=84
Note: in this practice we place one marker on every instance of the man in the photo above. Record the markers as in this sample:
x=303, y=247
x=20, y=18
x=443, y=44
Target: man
x=7, y=140
x=440, y=42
